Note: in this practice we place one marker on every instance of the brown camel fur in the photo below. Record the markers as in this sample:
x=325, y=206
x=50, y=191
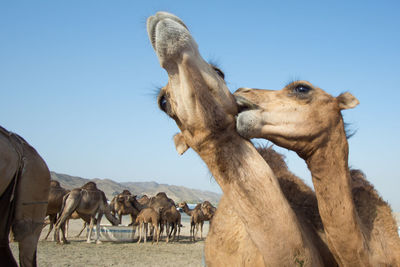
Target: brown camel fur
x=76, y=216
x=171, y=218
x=159, y=202
x=208, y=210
x=24, y=190
x=121, y=205
x=227, y=233
x=197, y=98
x=306, y=119
x=88, y=200
x=143, y=200
x=146, y=216
x=197, y=219
x=55, y=200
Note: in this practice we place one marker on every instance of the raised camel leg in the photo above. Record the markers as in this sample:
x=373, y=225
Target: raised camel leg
x=83, y=228
x=69, y=207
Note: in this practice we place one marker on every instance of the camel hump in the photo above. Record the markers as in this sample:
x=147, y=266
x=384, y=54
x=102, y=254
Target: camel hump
x=126, y=192
x=161, y=194
x=54, y=183
x=89, y=186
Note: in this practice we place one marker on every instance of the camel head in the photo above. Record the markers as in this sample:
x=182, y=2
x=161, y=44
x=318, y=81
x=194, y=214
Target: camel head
x=182, y=205
x=299, y=117
x=196, y=95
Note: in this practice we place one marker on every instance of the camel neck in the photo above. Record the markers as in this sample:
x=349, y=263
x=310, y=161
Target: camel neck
x=331, y=179
x=254, y=192
x=187, y=210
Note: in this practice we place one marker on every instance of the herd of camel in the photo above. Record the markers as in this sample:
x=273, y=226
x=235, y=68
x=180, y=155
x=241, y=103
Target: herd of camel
x=266, y=216
x=90, y=203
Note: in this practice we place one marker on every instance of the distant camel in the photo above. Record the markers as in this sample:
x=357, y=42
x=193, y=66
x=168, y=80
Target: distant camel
x=208, y=210
x=121, y=205
x=359, y=225
x=24, y=191
x=146, y=216
x=197, y=219
x=159, y=202
x=56, y=195
x=171, y=218
x=88, y=200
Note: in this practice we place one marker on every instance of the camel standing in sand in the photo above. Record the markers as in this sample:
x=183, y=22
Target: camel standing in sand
x=197, y=219
x=159, y=202
x=55, y=200
x=56, y=196
x=88, y=200
x=359, y=225
x=197, y=98
x=171, y=218
x=146, y=216
x=121, y=205
x=24, y=189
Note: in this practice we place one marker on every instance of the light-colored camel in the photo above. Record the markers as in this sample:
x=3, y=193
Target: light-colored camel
x=121, y=205
x=87, y=200
x=55, y=200
x=197, y=219
x=171, y=218
x=24, y=189
x=306, y=119
x=146, y=216
x=229, y=236
x=197, y=98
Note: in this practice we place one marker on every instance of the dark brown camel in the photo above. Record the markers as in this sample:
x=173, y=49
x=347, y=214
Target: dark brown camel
x=56, y=196
x=24, y=190
x=171, y=218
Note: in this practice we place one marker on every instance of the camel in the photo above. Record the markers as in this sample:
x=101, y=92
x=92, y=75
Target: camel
x=197, y=219
x=146, y=216
x=159, y=202
x=359, y=225
x=197, y=98
x=144, y=200
x=55, y=200
x=171, y=218
x=24, y=190
x=87, y=200
x=121, y=205
x=208, y=210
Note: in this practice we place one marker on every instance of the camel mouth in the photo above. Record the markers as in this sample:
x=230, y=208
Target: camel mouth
x=244, y=104
x=167, y=33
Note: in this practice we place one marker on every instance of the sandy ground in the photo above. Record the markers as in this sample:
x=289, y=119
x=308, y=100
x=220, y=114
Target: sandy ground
x=79, y=253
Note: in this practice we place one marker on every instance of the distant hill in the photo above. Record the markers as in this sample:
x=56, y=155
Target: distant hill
x=111, y=188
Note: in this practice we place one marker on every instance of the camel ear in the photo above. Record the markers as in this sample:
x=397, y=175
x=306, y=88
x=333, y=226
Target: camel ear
x=347, y=101
x=180, y=143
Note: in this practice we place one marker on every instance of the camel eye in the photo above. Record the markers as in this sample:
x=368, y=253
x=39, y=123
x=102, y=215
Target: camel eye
x=162, y=102
x=219, y=72
x=302, y=89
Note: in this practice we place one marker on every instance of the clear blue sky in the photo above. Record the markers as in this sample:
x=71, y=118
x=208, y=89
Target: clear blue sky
x=77, y=79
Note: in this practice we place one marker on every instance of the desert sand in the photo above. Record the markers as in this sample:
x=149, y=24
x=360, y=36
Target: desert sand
x=79, y=253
